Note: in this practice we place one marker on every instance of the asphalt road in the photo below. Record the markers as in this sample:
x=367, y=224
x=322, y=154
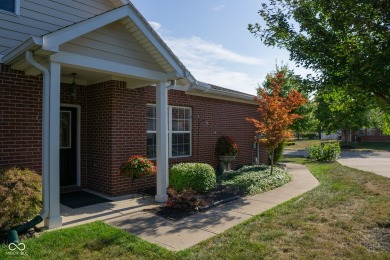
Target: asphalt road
x=375, y=162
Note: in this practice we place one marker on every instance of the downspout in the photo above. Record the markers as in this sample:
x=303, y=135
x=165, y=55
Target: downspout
x=13, y=233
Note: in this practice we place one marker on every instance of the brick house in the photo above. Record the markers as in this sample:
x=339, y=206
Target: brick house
x=85, y=85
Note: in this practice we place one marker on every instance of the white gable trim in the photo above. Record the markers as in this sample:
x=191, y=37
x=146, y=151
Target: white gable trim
x=156, y=41
x=52, y=41
x=81, y=61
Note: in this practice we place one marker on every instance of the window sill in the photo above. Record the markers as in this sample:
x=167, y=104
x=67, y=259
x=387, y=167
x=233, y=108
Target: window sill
x=176, y=157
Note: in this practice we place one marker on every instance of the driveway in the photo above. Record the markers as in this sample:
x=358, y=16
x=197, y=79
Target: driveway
x=375, y=162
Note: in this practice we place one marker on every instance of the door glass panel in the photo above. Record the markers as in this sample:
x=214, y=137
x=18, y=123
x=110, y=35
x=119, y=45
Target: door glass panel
x=65, y=129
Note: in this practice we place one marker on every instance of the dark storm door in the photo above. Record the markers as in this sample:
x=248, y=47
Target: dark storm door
x=68, y=146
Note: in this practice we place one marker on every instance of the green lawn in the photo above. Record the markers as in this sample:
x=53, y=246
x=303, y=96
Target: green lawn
x=304, y=143
x=378, y=146
x=346, y=217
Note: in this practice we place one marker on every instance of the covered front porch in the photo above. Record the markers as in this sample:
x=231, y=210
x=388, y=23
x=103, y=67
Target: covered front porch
x=112, y=56
x=116, y=207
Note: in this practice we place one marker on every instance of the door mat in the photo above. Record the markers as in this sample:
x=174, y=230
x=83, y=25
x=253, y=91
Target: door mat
x=80, y=199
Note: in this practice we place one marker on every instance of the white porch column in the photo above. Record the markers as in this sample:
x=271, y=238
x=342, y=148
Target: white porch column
x=54, y=219
x=162, y=141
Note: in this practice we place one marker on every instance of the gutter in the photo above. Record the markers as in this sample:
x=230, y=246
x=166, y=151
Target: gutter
x=13, y=234
x=208, y=89
x=27, y=45
x=45, y=132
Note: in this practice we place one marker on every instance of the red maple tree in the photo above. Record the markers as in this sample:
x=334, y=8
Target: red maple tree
x=275, y=113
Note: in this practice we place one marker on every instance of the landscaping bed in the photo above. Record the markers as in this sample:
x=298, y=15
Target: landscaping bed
x=213, y=198
x=345, y=217
x=232, y=185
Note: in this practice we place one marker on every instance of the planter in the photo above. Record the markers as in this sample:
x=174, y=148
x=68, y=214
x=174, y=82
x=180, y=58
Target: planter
x=225, y=161
x=227, y=158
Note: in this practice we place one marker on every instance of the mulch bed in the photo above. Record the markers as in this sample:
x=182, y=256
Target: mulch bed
x=213, y=198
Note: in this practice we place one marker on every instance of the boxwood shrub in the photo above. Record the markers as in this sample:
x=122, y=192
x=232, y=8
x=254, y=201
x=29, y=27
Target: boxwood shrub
x=199, y=177
x=20, y=196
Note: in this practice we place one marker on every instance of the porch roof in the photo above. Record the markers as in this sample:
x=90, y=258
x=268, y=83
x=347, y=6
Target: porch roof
x=166, y=64
x=127, y=15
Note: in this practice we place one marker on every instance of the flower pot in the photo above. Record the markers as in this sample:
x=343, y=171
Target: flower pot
x=226, y=161
x=227, y=158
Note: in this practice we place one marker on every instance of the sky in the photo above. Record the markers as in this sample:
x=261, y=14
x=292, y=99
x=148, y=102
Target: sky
x=211, y=39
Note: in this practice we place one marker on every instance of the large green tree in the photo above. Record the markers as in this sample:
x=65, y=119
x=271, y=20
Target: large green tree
x=346, y=42
x=338, y=111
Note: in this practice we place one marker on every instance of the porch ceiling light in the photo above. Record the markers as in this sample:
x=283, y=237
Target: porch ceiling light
x=73, y=89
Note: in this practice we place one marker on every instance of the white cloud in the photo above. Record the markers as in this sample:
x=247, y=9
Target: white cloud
x=197, y=48
x=214, y=64
x=218, y=8
x=155, y=25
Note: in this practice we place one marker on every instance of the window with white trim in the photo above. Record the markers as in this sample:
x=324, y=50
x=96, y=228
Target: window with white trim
x=10, y=6
x=179, y=131
x=151, y=131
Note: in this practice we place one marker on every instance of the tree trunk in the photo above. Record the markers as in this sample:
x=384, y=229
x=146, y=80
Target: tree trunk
x=271, y=156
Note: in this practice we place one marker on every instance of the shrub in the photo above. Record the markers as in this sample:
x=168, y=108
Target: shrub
x=186, y=200
x=255, y=179
x=226, y=146
x=325, y=152
x=199, y=177
x=20, y=196
x=278, y=153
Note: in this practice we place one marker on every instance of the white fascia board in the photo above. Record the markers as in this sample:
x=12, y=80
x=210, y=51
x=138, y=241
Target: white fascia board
x=155, y=40
x=233, y=95
x=81, y=61
x=53, y=40
x=223, y=96
x=204, y=89
x=28, y=44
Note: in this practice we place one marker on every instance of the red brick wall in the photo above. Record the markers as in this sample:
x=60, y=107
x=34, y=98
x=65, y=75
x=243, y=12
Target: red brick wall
x=383, y=138
x=20, y=119
x=129, y=128
x=113, y=127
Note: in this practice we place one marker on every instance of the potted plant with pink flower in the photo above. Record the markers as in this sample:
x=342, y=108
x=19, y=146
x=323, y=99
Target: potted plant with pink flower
x=137, y=166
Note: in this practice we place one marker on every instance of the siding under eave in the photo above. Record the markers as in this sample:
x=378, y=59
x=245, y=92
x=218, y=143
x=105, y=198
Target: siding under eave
x=114, y=42
x=39, y=17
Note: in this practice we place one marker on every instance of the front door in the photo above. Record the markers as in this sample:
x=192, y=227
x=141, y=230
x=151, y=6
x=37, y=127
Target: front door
x=68, y=146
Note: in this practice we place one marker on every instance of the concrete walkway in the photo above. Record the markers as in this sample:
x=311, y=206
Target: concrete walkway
x=375, y=162
x=118, y=207
x=178, y=235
